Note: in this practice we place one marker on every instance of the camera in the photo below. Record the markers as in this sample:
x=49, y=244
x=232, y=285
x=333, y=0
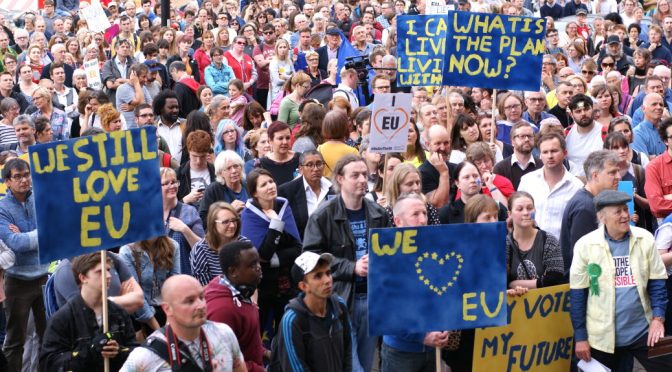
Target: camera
x=361, y=65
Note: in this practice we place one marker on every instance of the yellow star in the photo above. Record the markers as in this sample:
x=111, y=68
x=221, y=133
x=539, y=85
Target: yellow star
x=452, y=254
x=420, y=260
x=459, y=266
x=426, y=281
x=441, y=261
x=419, y=271
x=431, y=287
x=444, y=288
x=454, y=278
x=434, y=256
x=460, y=260
x=421, y=277
x=425, y=255
x=417, y=264
x=450, y=284
x=457, y=272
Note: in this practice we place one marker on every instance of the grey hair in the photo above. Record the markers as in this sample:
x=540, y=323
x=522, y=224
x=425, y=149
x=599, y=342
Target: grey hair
x=216, y=101
x=398, y=206
x=597, y=161
x=7, y=104
x=24, y=119
x=222, y=159
x=388, y=58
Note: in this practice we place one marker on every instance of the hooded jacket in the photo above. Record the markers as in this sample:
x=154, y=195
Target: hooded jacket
x=307, y=342
x=186, y=94
x=227, y=305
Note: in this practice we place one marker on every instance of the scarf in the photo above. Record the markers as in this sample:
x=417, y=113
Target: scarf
x=257, y=223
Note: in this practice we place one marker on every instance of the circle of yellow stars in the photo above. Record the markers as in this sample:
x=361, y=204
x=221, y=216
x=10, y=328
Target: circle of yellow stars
x=439, y=290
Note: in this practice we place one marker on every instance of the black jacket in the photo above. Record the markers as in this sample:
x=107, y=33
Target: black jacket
x=328, y=230
x=311, y=343
x=294, y=192
x=67, y=340
x=184, y=176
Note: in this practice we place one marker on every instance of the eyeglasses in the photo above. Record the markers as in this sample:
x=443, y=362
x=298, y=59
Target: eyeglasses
x=313, y=59
x=19, y=177
x=607, y=64
x=170, y=183
x=540, y=99
x=586, y=72
x=513, y=107
x=227, y=222
x=229, y=131
x=146, y=115
x=315, y=165
x=524, y=136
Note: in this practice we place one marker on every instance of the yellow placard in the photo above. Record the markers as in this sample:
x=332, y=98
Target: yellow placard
x=539, y=336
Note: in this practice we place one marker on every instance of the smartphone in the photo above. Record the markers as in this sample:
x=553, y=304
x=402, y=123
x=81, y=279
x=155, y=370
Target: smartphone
x=201, y=189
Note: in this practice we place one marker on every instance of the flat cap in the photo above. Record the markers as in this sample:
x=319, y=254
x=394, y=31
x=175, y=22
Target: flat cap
x=610, y=197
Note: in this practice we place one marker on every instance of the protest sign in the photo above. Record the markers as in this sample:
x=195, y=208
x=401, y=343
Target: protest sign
x=539, y=336
x=97, y=192
x=438, y=7
x=95, y=17
x=93, y=79
x=628, y=188
x=390, y=121
x=494, y=51
x=432, y=278
x=421, y=49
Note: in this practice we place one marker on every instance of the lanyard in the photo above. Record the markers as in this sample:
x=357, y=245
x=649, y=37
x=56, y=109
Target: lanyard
x=175, y=357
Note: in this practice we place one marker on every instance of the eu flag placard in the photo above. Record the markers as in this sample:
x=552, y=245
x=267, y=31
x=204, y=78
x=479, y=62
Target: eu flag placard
x=435, y=278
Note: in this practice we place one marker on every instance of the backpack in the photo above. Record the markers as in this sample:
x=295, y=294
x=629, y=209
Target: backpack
x=49, y=296
x=323, y=92
x=304, y=323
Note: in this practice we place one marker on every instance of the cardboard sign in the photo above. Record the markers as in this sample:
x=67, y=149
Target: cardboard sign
x=494, y=51
x=539, y=336
x=433, y=278
x=93, y=79
x=96, y=192
x=390, y=121
x=421, y=49
x=95, y=18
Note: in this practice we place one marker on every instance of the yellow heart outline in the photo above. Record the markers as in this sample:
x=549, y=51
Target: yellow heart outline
x=375, y=121
x=440, y=260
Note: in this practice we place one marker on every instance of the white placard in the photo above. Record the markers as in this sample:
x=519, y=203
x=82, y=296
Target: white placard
x=93, y=79
x=390, y=120
x=95, y=18
x=438, y=7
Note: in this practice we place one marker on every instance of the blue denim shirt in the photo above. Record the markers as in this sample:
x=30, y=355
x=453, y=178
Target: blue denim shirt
x=24, y=244
x=647, y=139
x=152, y=280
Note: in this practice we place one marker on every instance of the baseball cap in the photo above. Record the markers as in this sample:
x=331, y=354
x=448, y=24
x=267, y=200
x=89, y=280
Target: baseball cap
x=307, y=262
x=333, y=31
x=613, y=39
x=153, y=65
x=581, y=11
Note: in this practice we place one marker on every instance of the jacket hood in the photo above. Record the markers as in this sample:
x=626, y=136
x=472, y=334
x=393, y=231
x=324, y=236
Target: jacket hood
x=299, y=306
x=191, y=83
x=215, y=289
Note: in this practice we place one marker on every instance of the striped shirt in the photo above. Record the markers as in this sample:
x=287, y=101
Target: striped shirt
x=7, y=134
x=205, y=261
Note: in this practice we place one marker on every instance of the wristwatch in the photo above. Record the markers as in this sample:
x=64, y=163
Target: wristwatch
x=662, y=320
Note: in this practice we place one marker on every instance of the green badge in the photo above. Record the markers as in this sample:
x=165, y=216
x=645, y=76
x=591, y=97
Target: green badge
x=594, y=272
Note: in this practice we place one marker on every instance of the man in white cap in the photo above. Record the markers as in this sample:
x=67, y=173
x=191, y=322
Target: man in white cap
x=314, y=333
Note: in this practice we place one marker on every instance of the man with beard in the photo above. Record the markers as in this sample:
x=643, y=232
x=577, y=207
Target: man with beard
x=389, y=65
x=435, y=171
x=167, y=107
x=342, y=226
x=200, y=343
x=585, y=136
x=646, y=135
x=521, y=162
x=563, y=92
x=229, y=300
x=615, y=50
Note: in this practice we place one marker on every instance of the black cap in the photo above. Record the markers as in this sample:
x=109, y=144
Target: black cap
x=613, y=39
x=581, y=11
x=333, y=31
x=610, y=197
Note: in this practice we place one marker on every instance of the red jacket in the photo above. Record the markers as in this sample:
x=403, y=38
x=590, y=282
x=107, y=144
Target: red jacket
x=658, y=184
x=202, y=60
x=242, y=71
x=241, y=316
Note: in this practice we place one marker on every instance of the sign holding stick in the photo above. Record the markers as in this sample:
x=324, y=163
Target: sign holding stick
x=390, y=121
x=434, y=278
x=493, y=51
x=96, y=192
x=539, y=336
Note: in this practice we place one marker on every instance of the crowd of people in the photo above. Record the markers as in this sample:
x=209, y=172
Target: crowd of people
x=269, y=187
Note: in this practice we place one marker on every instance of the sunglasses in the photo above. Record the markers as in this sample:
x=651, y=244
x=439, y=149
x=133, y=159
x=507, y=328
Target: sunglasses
x=585, y=72
x=240, y=42
x=607, y=65
x=268, y=32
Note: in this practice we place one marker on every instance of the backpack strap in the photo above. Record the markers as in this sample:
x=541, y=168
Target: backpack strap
x=176, y=214
x=344, y=91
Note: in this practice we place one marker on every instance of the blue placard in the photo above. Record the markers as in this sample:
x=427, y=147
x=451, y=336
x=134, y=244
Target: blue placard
x=628, y=188
x=435, y=278
x=494, y=51
x=421, y=49
x=98, y=192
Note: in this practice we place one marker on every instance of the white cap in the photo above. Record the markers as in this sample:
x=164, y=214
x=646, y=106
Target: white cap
x=307, y=262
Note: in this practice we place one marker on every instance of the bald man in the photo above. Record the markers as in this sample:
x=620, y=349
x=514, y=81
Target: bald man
x=58, y=52
x=646, y=135
x=199, y=341
x=435, y=171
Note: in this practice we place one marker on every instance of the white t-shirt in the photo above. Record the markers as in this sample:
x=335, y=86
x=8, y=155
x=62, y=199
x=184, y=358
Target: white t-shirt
x=222, y=342
x=199, y=179
x=580, y=145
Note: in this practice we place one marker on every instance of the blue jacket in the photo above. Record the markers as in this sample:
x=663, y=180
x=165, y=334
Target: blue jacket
x=24, y=244
x=218, y=79
x=152, y=279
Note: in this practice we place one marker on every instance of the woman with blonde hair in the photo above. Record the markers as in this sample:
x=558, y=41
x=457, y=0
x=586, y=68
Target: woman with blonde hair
x=223, y=226
x=110, y=118
x=289, y=106
x=406, y=179
x=45, y=108
x=202, y=54
x=169, y=35
x=280, y=68
x=576, y=53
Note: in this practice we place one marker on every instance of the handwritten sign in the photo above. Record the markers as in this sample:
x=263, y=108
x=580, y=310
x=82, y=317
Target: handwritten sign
x=494, y=51
x=421, y=49
x=390, y=121
x=438, y=7
x=539, y=336
x=93, y=79
x=431, y=278
x=95, y=17
x=96, y=192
